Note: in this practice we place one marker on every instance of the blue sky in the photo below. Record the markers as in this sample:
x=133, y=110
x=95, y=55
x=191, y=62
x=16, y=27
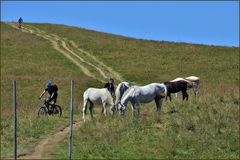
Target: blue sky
x=202, y=22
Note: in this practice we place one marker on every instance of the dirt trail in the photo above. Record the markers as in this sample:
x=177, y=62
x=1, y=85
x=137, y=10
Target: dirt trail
x=89, y=65
x=46, y=147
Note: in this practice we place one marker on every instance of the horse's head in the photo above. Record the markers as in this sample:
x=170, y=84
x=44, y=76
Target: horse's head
x=190, y=84
x=121, y=108
x=195, y=88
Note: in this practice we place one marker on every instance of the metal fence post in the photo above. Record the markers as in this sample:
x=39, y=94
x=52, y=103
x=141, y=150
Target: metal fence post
x=71, y=121
x=15, y=119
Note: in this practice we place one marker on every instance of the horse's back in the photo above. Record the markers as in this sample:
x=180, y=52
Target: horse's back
x=176, y=86
x=96, y=90
x=96, y=94
x=180, y=79
x=150, y=91
x=177, y=79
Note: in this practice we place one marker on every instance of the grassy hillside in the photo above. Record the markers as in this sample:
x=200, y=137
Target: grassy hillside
x=32, y=61
x=203, y=127
x=150, y=61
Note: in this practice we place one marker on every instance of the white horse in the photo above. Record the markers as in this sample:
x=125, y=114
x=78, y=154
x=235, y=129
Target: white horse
x=193, y=80
x=97, y=96
x=121, y=88
x=143, y=94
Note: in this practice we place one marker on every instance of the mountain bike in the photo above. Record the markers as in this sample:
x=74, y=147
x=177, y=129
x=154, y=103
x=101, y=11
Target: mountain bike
x=50, y=109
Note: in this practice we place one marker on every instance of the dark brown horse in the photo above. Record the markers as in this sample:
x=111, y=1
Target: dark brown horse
x=177, y=86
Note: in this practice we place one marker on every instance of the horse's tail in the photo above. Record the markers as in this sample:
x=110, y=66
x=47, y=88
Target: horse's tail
x=85, y=98
x=85, y=102
x=165, y=90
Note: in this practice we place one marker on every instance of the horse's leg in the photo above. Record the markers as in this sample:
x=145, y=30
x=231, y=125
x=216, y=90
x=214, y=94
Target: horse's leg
x=104, y=108
x=112, y=109
x=158, y=102
x=170, y=97
x=84, y=108
x=186, y=95
x=195, y=90
x=91, y=109
x=183, y=94
x=133, y=108
x=137, y=107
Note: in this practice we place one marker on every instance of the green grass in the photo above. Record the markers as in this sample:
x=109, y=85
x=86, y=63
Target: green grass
x=204, y=127
x=193, y=129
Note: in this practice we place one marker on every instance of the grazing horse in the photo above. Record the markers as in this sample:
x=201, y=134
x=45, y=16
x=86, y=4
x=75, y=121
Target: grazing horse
x=194, y=80
x=143, y=94
x=97, y=96
x=177, y=86
x=121, y=88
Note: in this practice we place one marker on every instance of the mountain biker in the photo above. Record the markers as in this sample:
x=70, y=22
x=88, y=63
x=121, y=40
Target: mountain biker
x=52, y=90
x=20, y=21
x=110, y=86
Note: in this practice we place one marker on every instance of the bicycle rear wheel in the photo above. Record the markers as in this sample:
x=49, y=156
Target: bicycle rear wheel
x=42, y=111
x=57, y=110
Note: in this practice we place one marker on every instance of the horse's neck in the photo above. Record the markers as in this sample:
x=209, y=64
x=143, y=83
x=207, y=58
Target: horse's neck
x=124, y=87
x=127, y=97
x=119, y=92
x=125, y=100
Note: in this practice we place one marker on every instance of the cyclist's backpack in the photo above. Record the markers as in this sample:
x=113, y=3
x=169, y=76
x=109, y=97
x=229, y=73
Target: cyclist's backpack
x=55, y=87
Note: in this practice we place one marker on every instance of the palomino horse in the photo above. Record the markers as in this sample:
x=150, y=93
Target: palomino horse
x=97, y=96
x=143, y=94
x=121, y=88
x=194, y=80
x=177, y=86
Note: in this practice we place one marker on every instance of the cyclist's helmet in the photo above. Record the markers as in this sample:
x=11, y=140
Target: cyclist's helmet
x=48, y=84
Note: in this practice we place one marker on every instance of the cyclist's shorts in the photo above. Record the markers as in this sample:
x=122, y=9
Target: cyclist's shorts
x=54, y=98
